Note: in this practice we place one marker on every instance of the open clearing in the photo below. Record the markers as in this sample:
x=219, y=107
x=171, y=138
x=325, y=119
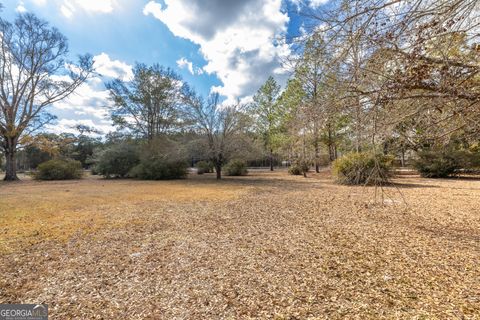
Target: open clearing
x=261, y=246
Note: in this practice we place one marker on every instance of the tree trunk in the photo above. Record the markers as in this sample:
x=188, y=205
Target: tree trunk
x=271, y=159
x=331, y=154
x=357, y=130
x=317, y=155
x=218, y=170
x=10, y=155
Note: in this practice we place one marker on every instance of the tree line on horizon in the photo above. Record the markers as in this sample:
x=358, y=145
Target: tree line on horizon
x=370, y=79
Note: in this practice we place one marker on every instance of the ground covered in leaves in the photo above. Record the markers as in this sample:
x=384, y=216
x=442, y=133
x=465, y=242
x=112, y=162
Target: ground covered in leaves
x=265, y=246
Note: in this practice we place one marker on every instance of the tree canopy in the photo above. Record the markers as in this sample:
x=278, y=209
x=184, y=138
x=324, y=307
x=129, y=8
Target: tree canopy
x=34, y=74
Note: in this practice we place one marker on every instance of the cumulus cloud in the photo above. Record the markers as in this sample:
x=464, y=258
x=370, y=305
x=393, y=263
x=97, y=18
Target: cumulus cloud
x=82, y=109
x=112, y=68
x=317, y=3
x=153, y=8
x=183, y=63
x=66, y=11
x=68, y=126
x=69, y=7
x=90, y=98
x=309, y=3
x=89, y=104
x=21, y=7
x=236, y=38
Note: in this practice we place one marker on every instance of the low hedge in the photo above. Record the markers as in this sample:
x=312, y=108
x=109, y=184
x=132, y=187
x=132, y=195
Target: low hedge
x=204, y=167
x=160, y=169
x=299, y=168
x=446, y=162
x=362, y=168
x=59, y=169
x=236, y=168
x=117, y=161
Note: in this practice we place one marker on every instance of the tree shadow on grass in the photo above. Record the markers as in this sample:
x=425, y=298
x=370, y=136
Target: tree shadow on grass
x=259, y=181
x=463, y=178
x=408, y=185
x=464, y=236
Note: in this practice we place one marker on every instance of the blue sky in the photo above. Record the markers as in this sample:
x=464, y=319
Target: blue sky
x=226, y=46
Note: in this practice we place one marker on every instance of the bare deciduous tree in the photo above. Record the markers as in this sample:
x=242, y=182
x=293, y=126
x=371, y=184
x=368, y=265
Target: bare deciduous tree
x=221, y=128
x=396, y=61
x=34, y=74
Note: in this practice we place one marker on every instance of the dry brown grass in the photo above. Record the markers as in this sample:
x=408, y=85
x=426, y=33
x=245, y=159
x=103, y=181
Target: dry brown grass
x=33, y=212
x=263, y=246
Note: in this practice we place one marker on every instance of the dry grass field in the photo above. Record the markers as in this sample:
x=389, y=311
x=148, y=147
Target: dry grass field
x=265, y=246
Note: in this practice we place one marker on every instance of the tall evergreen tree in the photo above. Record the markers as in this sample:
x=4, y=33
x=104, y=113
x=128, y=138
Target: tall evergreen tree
x=268, y=114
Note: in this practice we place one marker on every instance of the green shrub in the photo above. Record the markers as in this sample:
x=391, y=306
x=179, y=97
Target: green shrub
x=446, y=162
x=432, y=164
x=160, y=159
x=299, y=168
x=474, y=160
x=59, y=169
x=362, y=168
x=159, y=169
x=204, y=167
x=236, y=168
x=94, y=171
x=117, y=161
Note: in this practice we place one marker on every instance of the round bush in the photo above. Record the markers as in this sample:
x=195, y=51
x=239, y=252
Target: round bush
x=446, y=162
x=236, y=168
x=299, y=168
x=431, y=164
x=59, y=169
x=204, y=167
x=159, y=169
x=117, y=161
x=362, y=168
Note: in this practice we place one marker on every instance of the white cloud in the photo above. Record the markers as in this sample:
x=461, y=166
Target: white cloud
x=236, y=38
x=68, y=126
x=152, y=8
x=66, y=11
x=69, y=7
x=90, y=98
x=184, y=63
x=89, y=104
x=21, y=7
x=310, y=3
x=317, y=3
x=112, y=68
